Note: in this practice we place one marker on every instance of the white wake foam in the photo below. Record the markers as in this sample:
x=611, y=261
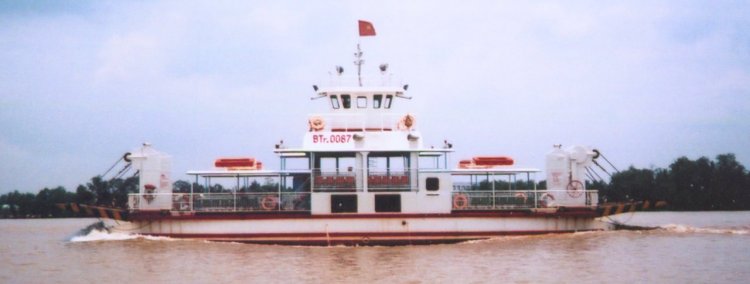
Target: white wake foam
x=677, y=228
x=103, y=235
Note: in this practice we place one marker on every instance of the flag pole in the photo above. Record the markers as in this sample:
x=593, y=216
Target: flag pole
x=365, y=29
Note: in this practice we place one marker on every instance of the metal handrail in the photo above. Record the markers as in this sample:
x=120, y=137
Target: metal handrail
x=389, y=180
x=513, y=199
x=334, y=181
x=224, y=201
x=346, y=181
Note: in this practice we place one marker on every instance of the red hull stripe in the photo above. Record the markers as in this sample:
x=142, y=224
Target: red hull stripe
x=364, y=238
x=362, y=234
x=166, y=215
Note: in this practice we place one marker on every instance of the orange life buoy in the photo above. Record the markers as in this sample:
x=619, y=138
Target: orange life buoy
x=406, y=122
x=316, y=123
x=269, y=202
x=460, y=201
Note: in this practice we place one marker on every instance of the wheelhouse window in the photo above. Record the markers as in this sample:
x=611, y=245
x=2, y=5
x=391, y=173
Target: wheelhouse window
x=346, y=101
x=361, y=102
x=335, y=102
x=388, y=100
x=377, y=100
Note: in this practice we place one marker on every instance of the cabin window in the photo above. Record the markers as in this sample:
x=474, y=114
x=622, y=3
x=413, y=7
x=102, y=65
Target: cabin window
x=432, y=183
x=361, y=102
x=334, y=173
x=388, y=162
x=376, y=101
x=336, y=164
x=335, y=102
x=388, y=171
x=387, y=203
x=388, y=100
x=431, y=162
x=346, y=100
x=344, y=203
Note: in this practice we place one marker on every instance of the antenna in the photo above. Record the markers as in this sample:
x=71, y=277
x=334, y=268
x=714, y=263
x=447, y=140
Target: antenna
x=383, y=68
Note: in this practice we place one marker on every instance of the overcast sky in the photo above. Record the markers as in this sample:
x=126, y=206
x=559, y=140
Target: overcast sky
x=646, y=82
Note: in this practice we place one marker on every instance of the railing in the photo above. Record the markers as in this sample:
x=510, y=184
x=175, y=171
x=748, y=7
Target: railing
x=223, y=202
x=347, y=181
x=334, y=181
x=356, y=122
x=468, y=186
x=515, y=199
x=388, y=181
x=494, y=200
x=342, y=80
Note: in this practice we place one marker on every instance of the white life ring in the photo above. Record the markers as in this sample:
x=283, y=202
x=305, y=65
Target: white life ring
x=575, y=189
x=522, y=195
x=548, y=200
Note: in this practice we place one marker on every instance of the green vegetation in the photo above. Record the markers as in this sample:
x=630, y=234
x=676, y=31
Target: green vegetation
x=702, y=184
x=687, y=185
x=113, y=193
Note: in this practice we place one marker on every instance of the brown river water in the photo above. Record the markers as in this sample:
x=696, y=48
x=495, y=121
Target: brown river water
x=695, y=247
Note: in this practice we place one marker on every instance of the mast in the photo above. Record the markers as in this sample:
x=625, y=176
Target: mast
x=359, y=61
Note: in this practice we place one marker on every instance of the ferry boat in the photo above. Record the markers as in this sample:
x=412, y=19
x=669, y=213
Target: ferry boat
x=363, y=176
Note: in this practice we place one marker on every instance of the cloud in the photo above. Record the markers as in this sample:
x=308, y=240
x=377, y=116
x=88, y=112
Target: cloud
x=646, y=82
x=129, y=57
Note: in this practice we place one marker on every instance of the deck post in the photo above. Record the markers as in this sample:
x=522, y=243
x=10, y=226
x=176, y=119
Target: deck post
x=192, y=196
x=234, y=204
x=494, y=206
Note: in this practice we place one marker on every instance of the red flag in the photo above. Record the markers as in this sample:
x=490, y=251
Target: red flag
x=366, y=28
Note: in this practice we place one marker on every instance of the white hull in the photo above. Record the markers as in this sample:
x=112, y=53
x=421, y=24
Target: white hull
x=364, y=230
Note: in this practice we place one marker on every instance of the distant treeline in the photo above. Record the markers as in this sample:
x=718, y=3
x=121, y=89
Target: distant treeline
x=687, y=185
x=113, y=193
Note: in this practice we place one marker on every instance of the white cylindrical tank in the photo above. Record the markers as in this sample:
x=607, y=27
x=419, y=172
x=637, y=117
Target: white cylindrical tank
x=558, y=169
x=155, y=184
